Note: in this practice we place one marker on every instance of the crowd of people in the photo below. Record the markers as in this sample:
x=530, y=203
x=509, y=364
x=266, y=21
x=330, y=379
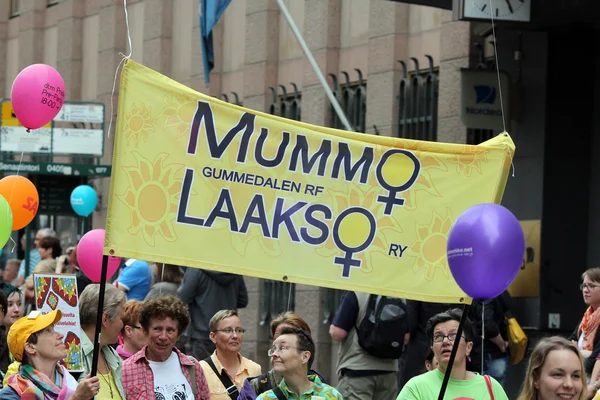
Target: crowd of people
x=173, y=333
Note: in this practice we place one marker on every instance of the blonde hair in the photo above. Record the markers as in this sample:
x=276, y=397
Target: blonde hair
x=220, y=316
x=88, y=303
x=537, y=360
x=45, y=267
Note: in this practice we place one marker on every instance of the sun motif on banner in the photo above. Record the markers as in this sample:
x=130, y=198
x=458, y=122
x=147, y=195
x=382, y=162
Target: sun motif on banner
x=178, y=113
x=468, y=160
x=152, y=197
x=429, y=250
x=361, y=196
x=139, y=124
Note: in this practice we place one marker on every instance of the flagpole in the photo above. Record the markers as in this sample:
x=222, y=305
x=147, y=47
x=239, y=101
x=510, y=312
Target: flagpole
x=96, y=351
x=315, y=66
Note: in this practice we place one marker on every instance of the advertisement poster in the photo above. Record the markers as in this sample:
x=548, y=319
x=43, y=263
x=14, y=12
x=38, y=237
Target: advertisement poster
x=60, y=292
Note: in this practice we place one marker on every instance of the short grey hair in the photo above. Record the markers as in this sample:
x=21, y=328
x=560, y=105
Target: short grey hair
x=47, y=232
x=220, y=316
x=88, y=303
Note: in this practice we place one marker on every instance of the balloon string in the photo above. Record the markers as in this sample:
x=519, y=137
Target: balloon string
x=12, y=192
x=482, y=334
x=125, y=57
x=500, y=83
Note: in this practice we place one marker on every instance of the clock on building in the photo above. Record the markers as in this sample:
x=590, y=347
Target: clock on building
x=500, y=10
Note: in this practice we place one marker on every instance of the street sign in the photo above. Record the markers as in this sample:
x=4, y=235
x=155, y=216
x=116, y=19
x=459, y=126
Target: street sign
x=55, y=194
x=17, y=139
x=12, y=167
x=92, y=113
x=78, y=141
x=77, y=130
x=9, y=118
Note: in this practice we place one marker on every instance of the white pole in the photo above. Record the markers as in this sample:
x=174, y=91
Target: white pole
x=313, y=63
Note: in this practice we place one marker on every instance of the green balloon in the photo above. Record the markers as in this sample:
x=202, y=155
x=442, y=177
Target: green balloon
x=6, y=221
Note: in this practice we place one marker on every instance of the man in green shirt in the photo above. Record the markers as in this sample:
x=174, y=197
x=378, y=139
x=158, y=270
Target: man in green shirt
x=292, y=355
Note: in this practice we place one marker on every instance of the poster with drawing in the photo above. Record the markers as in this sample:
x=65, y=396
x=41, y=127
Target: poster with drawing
x=60, y=292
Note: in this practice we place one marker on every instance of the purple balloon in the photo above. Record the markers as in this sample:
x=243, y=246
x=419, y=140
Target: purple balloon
x=485, y=250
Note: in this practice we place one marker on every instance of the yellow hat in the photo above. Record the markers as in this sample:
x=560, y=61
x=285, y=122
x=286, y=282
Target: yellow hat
x=21, y=330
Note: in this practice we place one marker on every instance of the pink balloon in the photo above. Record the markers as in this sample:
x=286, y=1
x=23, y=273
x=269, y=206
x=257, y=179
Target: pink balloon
x=89, y=256
x=37, y=95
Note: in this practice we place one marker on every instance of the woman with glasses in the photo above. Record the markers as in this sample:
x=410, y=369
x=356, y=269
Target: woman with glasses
x=262, y=383
x=442, y=332
x=132, y=333
x=586, y=335
x=226, y=369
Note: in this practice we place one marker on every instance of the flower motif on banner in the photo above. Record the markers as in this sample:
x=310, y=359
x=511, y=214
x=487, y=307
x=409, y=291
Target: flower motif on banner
x=178, y=115
x=152, y=197
x=468, y=160
x=139, y=124
x=429, y=250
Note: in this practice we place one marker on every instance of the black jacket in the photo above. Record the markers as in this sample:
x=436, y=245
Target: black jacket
x=419, y=312
x=208, y=292
x=494, y=317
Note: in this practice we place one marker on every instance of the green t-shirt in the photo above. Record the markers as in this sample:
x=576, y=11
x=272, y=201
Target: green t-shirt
x=427, y=386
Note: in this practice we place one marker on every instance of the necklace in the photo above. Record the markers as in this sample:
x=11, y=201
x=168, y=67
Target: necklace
x=107, y=380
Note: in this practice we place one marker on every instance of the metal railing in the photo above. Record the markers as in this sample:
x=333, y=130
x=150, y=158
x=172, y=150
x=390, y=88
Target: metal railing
x=276, y=298
x=352, y=97
x=286, y=105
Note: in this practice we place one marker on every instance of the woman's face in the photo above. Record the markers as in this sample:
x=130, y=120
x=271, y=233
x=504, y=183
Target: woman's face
x=111, y=329
x=44, y=253
x=591, y=292
x=442, y=349
x=15, y=310
x=560, y=376
x=49, y=346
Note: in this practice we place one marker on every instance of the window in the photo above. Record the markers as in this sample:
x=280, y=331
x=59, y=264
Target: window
x=417, y=102
x=15, y=8
x=352, y=97
x=286, y=105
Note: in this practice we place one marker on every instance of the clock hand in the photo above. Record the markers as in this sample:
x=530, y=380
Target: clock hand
x=509, y=6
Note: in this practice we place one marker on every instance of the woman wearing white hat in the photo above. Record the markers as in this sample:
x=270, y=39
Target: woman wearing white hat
x=33, y=341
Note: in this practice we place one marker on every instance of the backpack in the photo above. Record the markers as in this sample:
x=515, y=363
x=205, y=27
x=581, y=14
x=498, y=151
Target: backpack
x=381, y=332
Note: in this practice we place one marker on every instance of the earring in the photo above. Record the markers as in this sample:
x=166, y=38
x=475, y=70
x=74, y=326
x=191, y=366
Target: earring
x=468, y=358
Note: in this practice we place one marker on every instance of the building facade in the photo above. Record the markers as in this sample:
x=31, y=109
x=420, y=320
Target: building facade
x=396, y=69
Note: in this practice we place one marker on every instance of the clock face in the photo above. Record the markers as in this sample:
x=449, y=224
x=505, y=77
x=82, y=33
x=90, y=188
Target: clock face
x=506, y=10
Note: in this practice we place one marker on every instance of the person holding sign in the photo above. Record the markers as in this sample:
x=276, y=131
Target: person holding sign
x=110, y=364
x=33, y=341
x=442, y=332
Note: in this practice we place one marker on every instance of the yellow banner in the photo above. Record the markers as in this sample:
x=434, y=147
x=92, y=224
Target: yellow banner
x=203, y=183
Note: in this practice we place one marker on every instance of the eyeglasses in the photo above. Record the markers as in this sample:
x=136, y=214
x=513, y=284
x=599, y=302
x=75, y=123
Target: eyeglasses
x=135, y=326
x=281, y=349
x=588, y=286
x=229, y=331
x=440, y=338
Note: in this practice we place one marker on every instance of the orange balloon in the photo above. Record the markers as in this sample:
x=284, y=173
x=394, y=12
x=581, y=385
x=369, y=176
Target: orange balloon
x=22, y=197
